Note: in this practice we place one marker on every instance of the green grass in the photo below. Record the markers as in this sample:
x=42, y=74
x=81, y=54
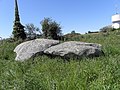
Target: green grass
x=44, y=73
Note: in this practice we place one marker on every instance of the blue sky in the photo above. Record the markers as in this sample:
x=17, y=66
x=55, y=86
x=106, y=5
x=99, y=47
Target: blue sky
x=79, y=15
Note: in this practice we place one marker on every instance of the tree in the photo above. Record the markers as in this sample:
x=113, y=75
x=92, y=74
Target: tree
x=50, y=28
x=18, y=32
x=73, y=32
x=31, y=31
x=18, y=28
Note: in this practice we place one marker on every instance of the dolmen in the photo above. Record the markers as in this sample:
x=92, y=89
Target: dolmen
x=70, y=49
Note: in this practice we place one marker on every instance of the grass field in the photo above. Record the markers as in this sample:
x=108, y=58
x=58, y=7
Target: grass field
x=44, y=73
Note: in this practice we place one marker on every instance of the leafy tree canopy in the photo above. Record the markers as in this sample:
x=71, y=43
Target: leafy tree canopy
x=50, y=28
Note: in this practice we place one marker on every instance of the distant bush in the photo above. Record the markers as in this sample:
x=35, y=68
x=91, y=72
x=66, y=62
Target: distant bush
x=107, y=29
x=72, y=36
x=93, y=32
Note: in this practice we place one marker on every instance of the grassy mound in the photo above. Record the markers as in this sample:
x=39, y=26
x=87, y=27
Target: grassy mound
x=44, y=73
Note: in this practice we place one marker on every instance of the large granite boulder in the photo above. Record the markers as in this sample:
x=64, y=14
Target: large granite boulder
x=75, y=49
x=29, y=49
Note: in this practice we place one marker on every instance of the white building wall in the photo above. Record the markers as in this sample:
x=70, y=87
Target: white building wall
x=116, y=21
x=116, y=25
x=116, y=18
